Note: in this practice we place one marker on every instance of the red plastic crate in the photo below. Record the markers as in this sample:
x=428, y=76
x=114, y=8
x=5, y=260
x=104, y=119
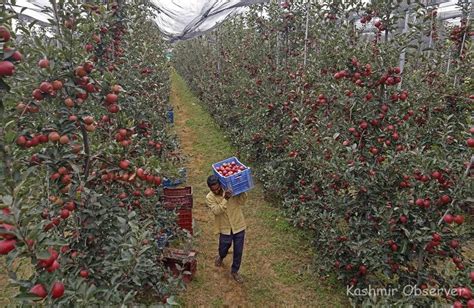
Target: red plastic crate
x=186, y=260
x=184, y=202
x=184, y=211
x=182, y=220
x=178, y=192
x=185, y=215
x=185, y=224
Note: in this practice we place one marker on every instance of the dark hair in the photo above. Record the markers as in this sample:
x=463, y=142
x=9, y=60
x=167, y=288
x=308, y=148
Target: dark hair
x=212, y=180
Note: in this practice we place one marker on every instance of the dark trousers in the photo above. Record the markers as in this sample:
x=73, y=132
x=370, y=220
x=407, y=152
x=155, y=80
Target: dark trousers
x=225, y=241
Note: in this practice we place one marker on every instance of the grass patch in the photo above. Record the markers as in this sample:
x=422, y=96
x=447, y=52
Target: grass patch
x=286, y=273
x=295, y=238
x=23, y=269
x=217, y=302
x=261, y=296
x=210, y=140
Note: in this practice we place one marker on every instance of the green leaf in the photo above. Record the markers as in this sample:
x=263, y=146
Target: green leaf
x=144, y=250
x=8, y=200
x=171, y=301
x=115, y=277
x=26, y=297
x=121, y=220
x=4, y=86
x=75, y=168
x=56, y=242
x=25, y=177
x=44, y=254
x=136, y=280
x=10, y=137
x=128, y=297
x=91, y=290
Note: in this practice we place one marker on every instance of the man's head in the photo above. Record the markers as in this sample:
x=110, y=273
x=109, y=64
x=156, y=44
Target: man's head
x=214, y=186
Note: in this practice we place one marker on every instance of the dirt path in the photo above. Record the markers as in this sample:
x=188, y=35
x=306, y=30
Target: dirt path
x=277, y=259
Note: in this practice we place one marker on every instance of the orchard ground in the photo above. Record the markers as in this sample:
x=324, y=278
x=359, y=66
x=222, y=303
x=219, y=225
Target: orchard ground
x=277, y=257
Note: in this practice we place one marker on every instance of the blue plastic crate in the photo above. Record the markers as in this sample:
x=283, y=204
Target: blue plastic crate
x=162, y=240
x=167, y=182
x=236, y=183
x=172, y=182
x=170, y=116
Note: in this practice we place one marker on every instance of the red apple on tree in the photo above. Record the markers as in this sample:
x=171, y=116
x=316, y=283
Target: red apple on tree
x=39, y=290
x=6, y=68
x=53, y=266
x=470, y=142
x=113, y=108
x=64, y=139
x=84, y=273
x=124, y=164
x=4, y=34
x=111, y=98
x=37, y=94
x=57, y=85
x=57, y=290
x=65, y=213
x=43, y=63
x=6, y=246
x=448, y=218
x=46, y=87
x=459, y=219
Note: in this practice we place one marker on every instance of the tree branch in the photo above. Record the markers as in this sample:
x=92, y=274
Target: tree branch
x=87, y=150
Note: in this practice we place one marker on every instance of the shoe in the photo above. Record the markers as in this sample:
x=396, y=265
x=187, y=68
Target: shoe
x=237, y=277
x=218, y=261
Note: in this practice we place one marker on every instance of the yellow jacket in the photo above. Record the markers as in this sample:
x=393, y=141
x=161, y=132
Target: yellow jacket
x=227, y=213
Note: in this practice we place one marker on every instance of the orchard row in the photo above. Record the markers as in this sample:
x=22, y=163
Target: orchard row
x=85, y=147
x=361, y=129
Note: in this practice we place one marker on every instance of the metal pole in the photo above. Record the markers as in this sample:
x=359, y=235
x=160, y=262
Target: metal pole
x=465, y=16
x=403, y=54
x=449, y=62
x=306, y=34
x=431, y=36
x=218, y=55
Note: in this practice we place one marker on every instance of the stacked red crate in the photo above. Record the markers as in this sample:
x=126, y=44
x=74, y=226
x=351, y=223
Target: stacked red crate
x=185, y=259
x=181, y=200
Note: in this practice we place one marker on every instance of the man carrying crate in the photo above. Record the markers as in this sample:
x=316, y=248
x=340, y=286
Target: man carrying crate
x=229, y=223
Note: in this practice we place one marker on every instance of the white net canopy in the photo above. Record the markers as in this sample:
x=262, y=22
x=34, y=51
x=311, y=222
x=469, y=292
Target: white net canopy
x=185, y=19
x=181, y=20
x=32, y=9
x=177, y=19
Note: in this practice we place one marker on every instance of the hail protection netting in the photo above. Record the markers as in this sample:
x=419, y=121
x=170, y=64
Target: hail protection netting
x=32, y=9
x=177, y=19
x=181, y=20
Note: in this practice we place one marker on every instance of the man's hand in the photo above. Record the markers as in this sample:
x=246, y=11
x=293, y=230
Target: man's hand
x=227, y=194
